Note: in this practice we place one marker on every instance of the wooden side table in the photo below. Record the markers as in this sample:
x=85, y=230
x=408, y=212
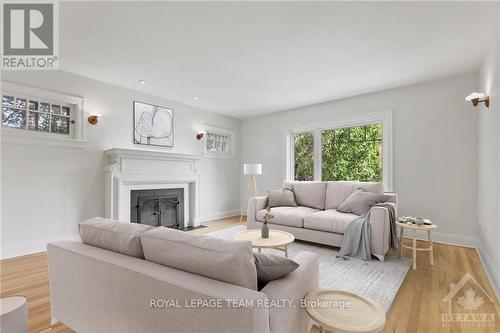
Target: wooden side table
x=344, y=311
x=278, y=240
x=414, y=248
x=14, y=314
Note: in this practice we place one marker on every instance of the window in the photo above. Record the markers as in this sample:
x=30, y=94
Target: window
x=352, y=153
x=218, y=142
x=40, y=117
x=355, y=148
x=303, y=144
x=36, y=114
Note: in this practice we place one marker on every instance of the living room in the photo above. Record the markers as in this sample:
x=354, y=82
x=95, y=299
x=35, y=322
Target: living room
x=349, y=151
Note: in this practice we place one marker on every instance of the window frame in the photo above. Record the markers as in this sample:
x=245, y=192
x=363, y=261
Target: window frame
x=383, y=118
x=218, y=154
x=76, y=138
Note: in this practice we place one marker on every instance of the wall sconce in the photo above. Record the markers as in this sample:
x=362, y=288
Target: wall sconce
x=477, y=98
x=199, y=136
x=93, y=119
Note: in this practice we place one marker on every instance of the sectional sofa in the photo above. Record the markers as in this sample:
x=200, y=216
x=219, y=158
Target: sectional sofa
x=130, y=278
x=316, y=219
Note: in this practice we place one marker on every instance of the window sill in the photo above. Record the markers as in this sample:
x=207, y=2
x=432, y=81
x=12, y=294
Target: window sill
x=10, y=136
x=218, y=156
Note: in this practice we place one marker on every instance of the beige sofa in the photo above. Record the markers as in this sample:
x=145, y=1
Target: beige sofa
x=316, y=218
x=110, y=287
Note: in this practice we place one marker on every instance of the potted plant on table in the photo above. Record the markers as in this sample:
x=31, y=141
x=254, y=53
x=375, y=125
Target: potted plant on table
x=265, y=228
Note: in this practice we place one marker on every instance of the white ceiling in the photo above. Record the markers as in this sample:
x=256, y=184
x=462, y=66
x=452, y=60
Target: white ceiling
x=244, y=59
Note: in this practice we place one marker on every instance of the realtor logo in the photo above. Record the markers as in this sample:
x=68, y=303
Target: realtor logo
x=30, y=36
x=465, y=300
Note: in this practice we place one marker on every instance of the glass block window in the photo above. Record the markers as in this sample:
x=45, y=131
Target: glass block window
x=36, y=115
x=218, y=142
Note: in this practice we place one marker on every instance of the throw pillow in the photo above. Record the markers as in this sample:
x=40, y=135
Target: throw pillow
x=272, y=267
x=283, y=197
x=360, y=201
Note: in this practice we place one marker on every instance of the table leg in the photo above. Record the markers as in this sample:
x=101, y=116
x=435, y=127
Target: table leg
x=259, y=249
x=401, y=241
x=431, y=252
x=286, y=251
x=414, y=249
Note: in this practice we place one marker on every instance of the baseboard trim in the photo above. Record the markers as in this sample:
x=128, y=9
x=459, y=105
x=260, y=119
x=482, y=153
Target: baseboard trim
x=217, y=216
x=488, y=268
x=450, y=239
x=32, y=247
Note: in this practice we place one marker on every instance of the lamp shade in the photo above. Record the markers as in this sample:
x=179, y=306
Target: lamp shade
x=252, y=169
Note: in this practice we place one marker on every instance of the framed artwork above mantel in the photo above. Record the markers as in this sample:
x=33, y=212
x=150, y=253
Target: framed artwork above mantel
x=153, y=125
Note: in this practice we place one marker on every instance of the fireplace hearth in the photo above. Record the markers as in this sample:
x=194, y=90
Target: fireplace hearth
x=158, y=207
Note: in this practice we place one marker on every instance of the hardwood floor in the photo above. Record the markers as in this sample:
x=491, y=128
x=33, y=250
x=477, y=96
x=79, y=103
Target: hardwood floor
x=417, y=307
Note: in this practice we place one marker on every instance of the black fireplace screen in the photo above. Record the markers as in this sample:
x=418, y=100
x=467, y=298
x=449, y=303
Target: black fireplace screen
x=159, y=207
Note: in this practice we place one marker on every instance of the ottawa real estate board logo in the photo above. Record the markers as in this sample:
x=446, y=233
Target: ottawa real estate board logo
x=30, y=36
x=469, y=305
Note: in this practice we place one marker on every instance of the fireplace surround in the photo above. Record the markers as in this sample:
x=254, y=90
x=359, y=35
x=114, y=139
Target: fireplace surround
x=131, y=170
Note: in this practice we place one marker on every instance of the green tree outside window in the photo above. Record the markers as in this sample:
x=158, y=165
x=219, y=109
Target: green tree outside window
x=353, y=153
x=304, y=156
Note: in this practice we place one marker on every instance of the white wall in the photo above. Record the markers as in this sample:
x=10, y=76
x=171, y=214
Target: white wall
x=435, y=142
x=46, y=190
x=489, y=164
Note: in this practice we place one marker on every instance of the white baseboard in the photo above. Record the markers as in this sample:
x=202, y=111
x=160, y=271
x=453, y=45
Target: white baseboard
x=489, y=269
x=31, y=247
x=445, y=238
x=217, y=216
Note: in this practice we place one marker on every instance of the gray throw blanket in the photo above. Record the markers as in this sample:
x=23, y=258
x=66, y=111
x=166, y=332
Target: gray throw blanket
x=356, y=242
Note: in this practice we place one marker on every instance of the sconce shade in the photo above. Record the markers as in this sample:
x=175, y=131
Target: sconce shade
x=474, y=95
x=252, y=169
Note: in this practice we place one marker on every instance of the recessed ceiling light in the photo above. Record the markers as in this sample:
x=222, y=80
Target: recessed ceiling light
x=195, y=98
x=143, y=81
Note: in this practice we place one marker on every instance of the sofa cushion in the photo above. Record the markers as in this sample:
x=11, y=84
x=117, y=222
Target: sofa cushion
x=309, y=194
x=329, y=220
x=290, y=216
x=116, y=236
x=338, y=191
x=283, y=197
x=360, y=201
x=271, y=267
x=220, y=259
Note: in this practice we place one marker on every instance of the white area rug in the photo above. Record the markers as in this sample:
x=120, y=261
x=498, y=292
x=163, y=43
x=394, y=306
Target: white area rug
x=379, y=281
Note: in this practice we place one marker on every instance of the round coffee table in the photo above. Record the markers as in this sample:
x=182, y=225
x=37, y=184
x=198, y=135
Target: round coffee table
x=344, y=312
x=278, y=239
x=415, y=227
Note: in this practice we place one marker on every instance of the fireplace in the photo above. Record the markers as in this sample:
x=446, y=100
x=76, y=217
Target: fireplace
x=158, y=207
x=130, y=170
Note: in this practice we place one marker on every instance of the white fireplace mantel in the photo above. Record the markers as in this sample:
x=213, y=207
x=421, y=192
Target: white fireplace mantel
x=131, y=169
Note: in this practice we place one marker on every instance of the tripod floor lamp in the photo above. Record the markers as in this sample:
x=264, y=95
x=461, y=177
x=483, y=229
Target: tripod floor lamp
x=252, y=170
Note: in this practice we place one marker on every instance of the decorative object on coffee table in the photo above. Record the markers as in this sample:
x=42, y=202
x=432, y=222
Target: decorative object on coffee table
x=14, y=314
x=252, y=170
x=278, y=240
x=343, y=311
x=417, y=224
x=265, y=228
